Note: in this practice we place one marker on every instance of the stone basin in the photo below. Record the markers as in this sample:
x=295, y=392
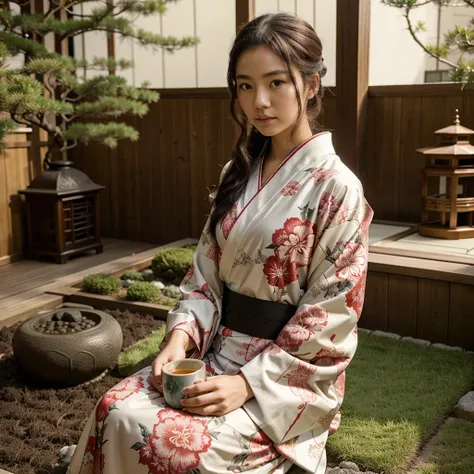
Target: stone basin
x=90, y=345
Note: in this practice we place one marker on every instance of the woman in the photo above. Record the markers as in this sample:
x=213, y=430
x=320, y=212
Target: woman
x=272, y=300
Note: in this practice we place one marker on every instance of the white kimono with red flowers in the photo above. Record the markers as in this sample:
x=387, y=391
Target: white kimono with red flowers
x=300, y=239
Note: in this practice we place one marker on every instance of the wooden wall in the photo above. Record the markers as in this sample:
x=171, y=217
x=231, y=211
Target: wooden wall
x=20, y=162
x=402, y=119
x=157, y=188
x=436, y=309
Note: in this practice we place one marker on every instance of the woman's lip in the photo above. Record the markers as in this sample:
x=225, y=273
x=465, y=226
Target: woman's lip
x=265, y=119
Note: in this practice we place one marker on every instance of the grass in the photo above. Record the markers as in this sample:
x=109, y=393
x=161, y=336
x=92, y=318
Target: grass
x=141, y=353
x=452, y=450
x=396, y=395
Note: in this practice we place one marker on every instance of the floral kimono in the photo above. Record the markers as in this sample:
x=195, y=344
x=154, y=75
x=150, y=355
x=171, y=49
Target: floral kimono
x=298, y=239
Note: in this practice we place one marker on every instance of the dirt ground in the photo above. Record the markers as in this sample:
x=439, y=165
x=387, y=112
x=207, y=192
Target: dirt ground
x=37, y=420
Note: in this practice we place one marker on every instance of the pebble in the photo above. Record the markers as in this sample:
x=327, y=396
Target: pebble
x=158, y=284
x=148, y=275
x=64, y=327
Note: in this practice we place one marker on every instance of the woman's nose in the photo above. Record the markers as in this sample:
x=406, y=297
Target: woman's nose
x=262, y=99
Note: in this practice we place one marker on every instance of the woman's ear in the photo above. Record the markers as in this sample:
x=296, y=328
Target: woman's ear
x=313, y=88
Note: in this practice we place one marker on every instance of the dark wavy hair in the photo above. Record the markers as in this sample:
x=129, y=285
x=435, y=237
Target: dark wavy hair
x=298, y=45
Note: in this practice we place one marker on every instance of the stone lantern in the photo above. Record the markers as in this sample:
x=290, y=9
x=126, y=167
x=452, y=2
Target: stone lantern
x=62, y=213
x=448, y=185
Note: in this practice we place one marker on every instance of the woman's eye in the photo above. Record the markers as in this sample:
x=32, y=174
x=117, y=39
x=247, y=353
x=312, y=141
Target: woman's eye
x=277, y=83
x=244, y=86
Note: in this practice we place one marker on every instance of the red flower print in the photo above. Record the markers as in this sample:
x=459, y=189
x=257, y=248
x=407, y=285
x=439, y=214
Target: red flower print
x=336, y=421
x=355, y=296
x=315, y=450
x=333, y=353
x=214, y=253
x=210, y=371
x=352, y=262
x=204, y=293
x=328, y=206
x=301, y=327
x=176, y=443
x=253, y=348
x=189, y=275
x=291, y=189
x=279, y=273
x=319, y=175
x=364, y=223
x=227, y=332
x=229, y=221
x=287, y=449
x=261, y=450
x=340, y=386
x=342, y=214
x=191, y=328
x=298, y=381
x=295, y=241
x=121, y=391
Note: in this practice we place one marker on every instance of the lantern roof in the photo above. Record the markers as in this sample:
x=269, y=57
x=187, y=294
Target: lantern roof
x=455, y=129
x=61, y=179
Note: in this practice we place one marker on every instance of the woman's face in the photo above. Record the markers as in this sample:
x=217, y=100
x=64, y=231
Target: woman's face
x=265, y=91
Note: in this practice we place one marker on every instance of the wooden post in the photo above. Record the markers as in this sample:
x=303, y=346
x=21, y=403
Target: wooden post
x=61, y=46
x=352, y=78
x=244, y=12
x=111, y=41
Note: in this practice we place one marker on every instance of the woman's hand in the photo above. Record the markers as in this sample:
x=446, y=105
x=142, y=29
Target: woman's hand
x=217, y=396
x=179, y=342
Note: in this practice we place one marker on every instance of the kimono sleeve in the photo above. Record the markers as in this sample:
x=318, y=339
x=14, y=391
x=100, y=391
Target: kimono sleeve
x=198, y=312
x=298, y=380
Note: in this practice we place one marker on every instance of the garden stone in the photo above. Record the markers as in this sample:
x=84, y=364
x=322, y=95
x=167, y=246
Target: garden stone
x=445, y=347
x=159, y=285
x=148, y=274
x=127, y=283
x=419, y=342
x=68, y=315
x=65, y=454
x=364, y=331
x=349, y=465
x=465, y=407
x=390, y=335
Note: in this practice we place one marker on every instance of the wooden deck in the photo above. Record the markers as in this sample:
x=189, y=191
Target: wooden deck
x=23, y=284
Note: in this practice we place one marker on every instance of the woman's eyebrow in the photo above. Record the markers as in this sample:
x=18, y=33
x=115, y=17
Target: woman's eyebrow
x=271, y=73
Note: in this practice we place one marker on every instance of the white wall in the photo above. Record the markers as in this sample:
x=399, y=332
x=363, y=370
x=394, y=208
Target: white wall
x=394, y=56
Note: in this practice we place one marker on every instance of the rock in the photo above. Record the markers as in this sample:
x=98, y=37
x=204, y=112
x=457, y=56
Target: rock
x=69, y=315
x=349, y=465
x=76, y=305
x=390, y=335
x=127, y=283
x=148, y=274
x=437, y=345
x=158, y=284
x=65, y=454
x=465, y=407
x=364, y=331
x=420, y=342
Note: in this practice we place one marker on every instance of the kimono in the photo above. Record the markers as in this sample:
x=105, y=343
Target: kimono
x=300, y=239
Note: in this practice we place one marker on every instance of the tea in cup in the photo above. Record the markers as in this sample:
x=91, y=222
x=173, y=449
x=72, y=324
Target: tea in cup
x=179, y=374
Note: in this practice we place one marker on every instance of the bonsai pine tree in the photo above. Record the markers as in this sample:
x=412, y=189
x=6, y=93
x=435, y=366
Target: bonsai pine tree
x=48, y=92
x=458, y=41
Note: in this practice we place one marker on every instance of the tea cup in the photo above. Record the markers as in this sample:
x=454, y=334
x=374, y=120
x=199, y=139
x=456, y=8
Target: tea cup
x=179, y=374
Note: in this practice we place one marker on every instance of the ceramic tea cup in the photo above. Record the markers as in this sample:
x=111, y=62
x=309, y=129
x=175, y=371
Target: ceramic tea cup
x=179, y=374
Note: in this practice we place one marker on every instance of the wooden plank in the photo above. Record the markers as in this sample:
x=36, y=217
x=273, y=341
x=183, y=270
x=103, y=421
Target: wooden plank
x=352, y=77
x=461, y=316
x=433, y=310
x=25, y=302
x=410, y=176
x=402, y=304
x=420, y=90
x=375, y=312
x=428, y=269
x=244, y=12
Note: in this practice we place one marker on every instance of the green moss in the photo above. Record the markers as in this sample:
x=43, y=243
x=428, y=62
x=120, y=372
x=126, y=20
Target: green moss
x=133, y=276
x=143, y=291
x=172, y=291
x=172, y=264
x=101, y=284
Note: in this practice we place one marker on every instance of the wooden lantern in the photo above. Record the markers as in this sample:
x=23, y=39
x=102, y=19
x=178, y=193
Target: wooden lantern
x=62, y=213
x=449, y=172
